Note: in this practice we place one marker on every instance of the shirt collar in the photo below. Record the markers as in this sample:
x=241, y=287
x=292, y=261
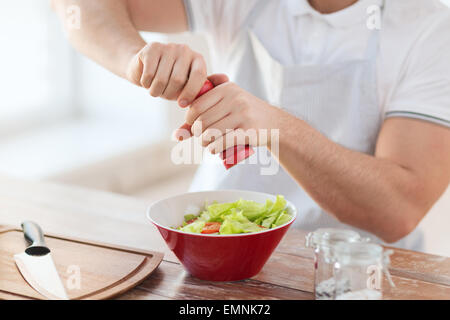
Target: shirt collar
x=351, y=15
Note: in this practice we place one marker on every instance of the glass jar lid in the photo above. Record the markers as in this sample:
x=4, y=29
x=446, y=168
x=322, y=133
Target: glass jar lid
x=326, y=237
x=358, y=253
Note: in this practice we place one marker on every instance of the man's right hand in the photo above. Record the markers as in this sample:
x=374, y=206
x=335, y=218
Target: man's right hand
x=171, y=71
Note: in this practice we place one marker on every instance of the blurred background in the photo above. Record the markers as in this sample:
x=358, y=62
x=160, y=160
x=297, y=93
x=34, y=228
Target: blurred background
x=65, y=119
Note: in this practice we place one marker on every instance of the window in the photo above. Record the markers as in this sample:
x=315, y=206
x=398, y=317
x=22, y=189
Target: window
x=44, y=80
x=59, y=111
x=35, y=65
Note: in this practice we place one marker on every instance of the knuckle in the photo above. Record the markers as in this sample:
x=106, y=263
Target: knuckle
x=245, y=113
x=196, y=72
x=172, y=47
x=229, y=86
x=159, y=83
x=184, y=48
x=242, y=109
x=154, y=46
x=178, y=80
x=240, y=100
x=199, y=57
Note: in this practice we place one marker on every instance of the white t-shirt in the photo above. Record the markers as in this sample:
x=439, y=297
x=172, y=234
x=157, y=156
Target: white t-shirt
x=413, y=58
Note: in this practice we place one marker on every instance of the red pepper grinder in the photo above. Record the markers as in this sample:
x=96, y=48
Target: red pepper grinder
x=236, y=154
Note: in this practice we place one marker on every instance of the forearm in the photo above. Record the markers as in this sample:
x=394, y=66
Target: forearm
x=370, y=193
x=387, y=194
x=106, y=35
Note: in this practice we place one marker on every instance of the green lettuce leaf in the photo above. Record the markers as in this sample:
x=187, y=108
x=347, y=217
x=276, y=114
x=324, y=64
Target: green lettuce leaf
x=251, y=209
x=283, y=218
x=218, y=210
x=242, y=216
x=236, y=222
x=194, y=227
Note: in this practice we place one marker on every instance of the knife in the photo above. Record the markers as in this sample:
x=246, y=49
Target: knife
x=36, y=264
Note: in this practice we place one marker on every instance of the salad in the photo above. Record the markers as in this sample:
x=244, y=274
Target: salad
x=242, y=216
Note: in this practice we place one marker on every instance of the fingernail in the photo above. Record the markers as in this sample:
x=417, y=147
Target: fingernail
x=183, y=103
x=181, y=134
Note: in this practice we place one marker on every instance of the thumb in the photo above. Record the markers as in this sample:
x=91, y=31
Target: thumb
x=218, y=79
x=134, y=71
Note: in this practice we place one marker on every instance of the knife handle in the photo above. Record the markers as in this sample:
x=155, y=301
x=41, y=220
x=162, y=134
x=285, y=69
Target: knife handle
x=35, y=237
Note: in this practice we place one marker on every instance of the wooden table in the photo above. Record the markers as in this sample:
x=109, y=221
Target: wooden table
x=121, y=220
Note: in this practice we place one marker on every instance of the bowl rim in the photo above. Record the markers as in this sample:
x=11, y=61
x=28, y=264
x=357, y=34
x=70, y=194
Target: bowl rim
x=287, y=224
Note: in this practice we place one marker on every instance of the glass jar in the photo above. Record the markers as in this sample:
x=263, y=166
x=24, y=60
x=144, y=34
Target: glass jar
x=358, y=270
x=323, y=241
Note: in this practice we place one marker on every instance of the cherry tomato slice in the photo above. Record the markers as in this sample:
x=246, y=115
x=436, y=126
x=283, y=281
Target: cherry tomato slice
x=190, y=221
x=211, y=227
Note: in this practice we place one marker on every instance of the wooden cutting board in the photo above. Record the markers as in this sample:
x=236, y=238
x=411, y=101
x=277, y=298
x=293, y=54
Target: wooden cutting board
x=88, y=270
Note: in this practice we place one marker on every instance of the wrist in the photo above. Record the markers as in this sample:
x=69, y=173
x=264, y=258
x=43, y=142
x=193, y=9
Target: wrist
x=284, y=128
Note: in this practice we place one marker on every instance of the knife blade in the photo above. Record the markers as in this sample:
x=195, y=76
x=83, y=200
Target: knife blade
x=36, y=264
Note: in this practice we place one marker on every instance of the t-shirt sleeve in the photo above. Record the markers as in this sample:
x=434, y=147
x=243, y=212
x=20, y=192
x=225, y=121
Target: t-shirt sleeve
x=222, y=19
x=423, y=91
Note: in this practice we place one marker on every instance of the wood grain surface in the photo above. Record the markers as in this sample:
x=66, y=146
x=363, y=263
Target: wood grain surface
x=103, y=271
x=106, y=217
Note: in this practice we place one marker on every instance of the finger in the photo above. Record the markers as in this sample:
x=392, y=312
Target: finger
x=183, y=132
x=178, y=78
x=218, y=79
x=220, y=128
x=228, y=141
x=211, y=116
x=219, y=144
x=197, y=77
x=134, y=73
x=200, y=105
x=151, y=63
x=163, y=73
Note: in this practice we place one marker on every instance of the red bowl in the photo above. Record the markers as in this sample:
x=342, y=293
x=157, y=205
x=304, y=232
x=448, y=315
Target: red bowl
x=216, y=257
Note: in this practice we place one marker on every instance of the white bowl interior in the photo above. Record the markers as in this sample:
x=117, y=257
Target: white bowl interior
x=170, y=212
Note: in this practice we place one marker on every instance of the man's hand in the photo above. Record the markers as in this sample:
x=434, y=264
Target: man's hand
x=171, y=71
x=109, y=35
x=228, y=115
